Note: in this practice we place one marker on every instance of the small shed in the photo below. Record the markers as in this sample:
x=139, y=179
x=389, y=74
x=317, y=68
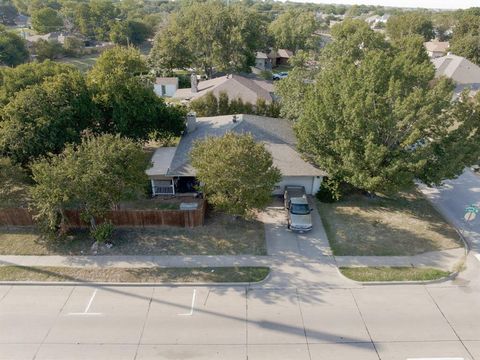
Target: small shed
x=166, y=86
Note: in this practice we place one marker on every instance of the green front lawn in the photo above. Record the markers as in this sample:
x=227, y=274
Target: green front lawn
x=140, y=275
x=406, y=224
x=365, y=274
x=83, y=63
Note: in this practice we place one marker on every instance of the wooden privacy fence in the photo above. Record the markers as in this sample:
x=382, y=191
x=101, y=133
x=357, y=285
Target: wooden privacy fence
x=126, y=217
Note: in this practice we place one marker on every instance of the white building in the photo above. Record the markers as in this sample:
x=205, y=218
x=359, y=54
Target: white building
x=165, y=86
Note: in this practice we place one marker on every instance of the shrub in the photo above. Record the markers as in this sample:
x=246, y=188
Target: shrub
x=205, y=106
x=102, y=232
x=330, y=191
x=223, y=104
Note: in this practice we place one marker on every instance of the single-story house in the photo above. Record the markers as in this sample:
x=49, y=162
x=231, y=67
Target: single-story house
x=249, y=89
x=22, y=20
x=165, y=86
x=464, y=73
x=280, y=57
x=375, y=20
x=172, y=173
x=437, y=49
x=262, y=62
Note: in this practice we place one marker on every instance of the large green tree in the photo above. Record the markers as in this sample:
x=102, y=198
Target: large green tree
x=13, y=49
x=46, y=20
x=208, y=35
x=376, y=118
x=237, y=173
x=95, y=18
x=44, y=117
x=15, y=79
x=291, y=90
x=129, y=32
x=294, y=30
x=410, y=23
x=128, y=104
x=94, y=177
x=466, y=35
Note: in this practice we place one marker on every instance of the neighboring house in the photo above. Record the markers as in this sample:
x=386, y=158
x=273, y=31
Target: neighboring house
x=262, y=62
x=53, y=36
x=166, y=86
x=22, y=21
x=437, y=49
x=235, y=86
x=280, y=57
x=377, y=20
x=464, y=73
x=172, y=173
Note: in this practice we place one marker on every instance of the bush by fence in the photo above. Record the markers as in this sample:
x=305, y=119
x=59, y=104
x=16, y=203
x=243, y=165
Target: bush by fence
x=210, y=105
x=127, y=217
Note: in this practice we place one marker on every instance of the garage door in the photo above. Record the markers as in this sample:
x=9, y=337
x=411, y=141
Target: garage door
x=306, y=181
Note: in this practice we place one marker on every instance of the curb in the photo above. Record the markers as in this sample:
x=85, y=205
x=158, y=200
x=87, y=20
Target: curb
x=135, y=284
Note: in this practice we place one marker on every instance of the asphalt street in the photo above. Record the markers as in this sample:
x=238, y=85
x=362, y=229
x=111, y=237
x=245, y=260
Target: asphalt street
x=362, y=323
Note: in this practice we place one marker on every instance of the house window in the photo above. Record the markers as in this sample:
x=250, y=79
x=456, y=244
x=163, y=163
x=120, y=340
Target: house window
x=164, y=90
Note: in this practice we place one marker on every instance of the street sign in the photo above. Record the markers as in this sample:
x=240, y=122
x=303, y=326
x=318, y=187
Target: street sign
x=471, y=212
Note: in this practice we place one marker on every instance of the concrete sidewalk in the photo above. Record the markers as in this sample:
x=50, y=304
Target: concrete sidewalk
x=136, y=261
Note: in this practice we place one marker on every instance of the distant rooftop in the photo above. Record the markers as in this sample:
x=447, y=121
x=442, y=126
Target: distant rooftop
x=236, y=86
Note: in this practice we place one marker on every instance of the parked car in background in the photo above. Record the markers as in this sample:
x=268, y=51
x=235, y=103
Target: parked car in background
x=299, y=216
x=280, y=75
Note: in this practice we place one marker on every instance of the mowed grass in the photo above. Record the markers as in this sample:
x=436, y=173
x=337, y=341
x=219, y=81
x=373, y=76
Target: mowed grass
x=406, y=224
x=219, y=236
x=366, y=274
x=137, y=275
x=83, y=64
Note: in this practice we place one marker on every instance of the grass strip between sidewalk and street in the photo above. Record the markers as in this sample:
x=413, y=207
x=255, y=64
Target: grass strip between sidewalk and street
x=365, y=274
x=134, y=275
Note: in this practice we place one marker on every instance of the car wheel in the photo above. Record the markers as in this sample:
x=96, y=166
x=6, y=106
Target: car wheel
x=288, y=225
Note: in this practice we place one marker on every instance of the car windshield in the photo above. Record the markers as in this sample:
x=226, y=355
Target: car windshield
x=299, y=209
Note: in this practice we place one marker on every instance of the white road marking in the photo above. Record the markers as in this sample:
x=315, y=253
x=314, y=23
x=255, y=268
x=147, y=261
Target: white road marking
x=437, y=358
x=85, y=312
x=193, y=304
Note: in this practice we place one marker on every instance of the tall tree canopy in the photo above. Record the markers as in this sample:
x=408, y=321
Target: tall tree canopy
x=46, y=20
x=237, y=173
x=294, y=30
x=376, y=118
x=44, y=117
x=95, y=18
x=13, y=49
x=18, y=78
x=208, y=35
x=126, y=99
x=466, y=35
x=94, y=176
x=410, y=23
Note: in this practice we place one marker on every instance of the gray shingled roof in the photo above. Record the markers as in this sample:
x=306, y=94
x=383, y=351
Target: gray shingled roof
x=236, y=86
x=277, y=134
x=457, y=68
